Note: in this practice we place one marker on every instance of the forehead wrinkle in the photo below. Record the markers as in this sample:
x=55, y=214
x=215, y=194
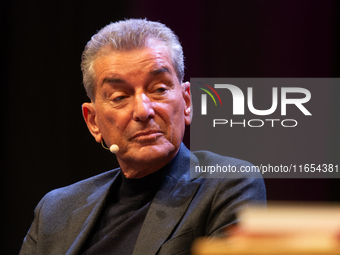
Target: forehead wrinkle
x=158, y=61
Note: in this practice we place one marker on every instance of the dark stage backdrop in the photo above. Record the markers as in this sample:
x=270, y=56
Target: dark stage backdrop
x=45, y=141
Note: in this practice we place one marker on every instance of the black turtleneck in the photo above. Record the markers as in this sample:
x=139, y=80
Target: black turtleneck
x=126, y=207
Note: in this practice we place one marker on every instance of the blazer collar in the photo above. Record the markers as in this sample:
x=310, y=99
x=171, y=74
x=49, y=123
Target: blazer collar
x=84, y=218
x=168, y=206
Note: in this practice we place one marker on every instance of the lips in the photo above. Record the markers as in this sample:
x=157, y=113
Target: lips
x=148, y=134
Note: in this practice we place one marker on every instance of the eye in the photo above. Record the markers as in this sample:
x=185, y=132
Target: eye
x=160, y=90
x=119, y=98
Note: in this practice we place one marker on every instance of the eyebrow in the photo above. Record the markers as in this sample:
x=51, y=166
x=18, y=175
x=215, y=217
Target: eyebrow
x=113, y=80
x=160, y=71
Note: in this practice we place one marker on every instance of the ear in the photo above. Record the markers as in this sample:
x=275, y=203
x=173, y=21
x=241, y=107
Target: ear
x=89, y=114
x=188, y=103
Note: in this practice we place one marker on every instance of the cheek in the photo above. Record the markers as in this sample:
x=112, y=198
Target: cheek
x=108, y=121
x=176, y=119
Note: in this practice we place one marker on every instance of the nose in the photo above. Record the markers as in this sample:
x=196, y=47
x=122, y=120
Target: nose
x=143, y=108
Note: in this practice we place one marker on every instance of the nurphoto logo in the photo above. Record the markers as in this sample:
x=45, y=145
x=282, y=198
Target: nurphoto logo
x=301, y=97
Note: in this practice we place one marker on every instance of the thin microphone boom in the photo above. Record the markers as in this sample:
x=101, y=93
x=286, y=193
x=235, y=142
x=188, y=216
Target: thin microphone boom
x=113, y=148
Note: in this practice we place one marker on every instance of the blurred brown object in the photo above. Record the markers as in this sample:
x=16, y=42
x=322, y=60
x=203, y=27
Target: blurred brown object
x=280, y=229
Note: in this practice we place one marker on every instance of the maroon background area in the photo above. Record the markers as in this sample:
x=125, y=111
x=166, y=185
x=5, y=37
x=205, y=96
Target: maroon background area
x=46, y=144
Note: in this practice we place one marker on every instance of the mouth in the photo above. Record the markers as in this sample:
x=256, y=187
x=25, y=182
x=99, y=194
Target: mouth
x=146, y=135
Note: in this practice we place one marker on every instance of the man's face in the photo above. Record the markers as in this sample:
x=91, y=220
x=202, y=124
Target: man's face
x=140, y=106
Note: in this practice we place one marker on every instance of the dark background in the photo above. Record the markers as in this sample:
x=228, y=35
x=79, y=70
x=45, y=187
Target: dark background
x=45, y=141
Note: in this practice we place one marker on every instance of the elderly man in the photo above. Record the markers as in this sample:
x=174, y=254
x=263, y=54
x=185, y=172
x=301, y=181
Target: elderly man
x=133, y=72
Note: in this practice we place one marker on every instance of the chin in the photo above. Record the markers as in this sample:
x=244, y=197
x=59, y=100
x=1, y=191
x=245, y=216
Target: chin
x=145, y=160
x=150, y=154
x=156, y=151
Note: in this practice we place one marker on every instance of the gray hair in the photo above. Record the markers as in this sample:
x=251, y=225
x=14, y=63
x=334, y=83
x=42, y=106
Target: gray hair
x=128, y=35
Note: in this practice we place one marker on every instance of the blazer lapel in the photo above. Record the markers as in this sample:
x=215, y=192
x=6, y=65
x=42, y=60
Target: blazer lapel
x=166, y=210
x=84, y=218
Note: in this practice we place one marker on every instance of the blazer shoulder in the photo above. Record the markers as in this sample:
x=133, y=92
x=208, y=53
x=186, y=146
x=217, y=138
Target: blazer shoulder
x=211, y=165
x=81, y=190
x=205, y=157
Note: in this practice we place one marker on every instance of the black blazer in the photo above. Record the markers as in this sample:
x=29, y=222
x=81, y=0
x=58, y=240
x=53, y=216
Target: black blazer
x=185, y=207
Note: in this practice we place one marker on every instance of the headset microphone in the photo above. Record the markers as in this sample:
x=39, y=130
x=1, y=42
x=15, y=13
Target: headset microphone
x=114, y=148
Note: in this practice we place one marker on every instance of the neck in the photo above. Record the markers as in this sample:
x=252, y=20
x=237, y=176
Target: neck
x=136, y=170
